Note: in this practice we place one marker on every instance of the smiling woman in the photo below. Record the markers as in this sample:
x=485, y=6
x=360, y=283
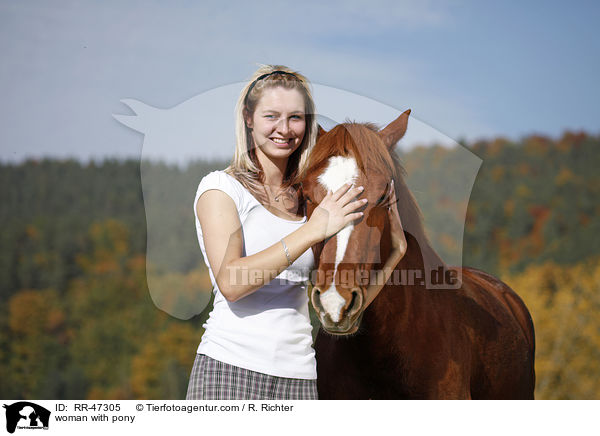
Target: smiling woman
x=256, y=240
x=277, y=125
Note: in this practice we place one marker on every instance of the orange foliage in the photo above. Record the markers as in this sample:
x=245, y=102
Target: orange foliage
x=531, y=245
x=498, y=173
x=571, y=140
x=32, y=312
x=108, y=393
x=173, y=348
x=564, y=302
x=32, y=232
x=537, y=145
x=523, y=169
x=497, y=146
x=536, y=240
x=33, y=318
x=564, y=176
x=584, y=219
x=509, y=207
x=182, y=295
x=523, y=191
x=110, y=242
x=448, y=243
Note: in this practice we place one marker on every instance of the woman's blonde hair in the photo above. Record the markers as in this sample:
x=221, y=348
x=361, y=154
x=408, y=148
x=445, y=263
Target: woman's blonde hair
x=245, y=166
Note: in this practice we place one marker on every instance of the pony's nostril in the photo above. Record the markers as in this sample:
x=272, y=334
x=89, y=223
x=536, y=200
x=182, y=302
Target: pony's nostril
x=315, y=299
x=352, y=301
x=355, y=303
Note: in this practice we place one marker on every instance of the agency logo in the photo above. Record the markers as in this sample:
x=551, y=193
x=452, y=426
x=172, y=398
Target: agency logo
x=26, y=415
x=201, y=129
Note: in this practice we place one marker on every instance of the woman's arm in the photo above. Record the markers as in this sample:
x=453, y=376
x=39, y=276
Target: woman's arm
x=239, y=276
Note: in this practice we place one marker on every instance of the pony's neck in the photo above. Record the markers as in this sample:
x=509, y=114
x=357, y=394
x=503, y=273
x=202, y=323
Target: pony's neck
x=413, y=258
x=405, y=280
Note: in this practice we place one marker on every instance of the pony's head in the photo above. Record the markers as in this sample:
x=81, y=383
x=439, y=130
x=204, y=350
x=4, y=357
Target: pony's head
x=347, y=262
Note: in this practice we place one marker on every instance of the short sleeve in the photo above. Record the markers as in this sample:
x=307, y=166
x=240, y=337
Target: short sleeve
x=220, y=181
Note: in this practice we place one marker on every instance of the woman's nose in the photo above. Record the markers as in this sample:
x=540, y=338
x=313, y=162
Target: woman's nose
x=283, y=126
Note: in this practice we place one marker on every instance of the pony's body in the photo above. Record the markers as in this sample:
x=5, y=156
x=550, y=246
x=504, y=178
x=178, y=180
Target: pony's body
x=473, y=340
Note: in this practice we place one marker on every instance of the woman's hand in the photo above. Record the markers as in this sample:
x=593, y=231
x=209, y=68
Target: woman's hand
x=398, y=240
x=336, y=211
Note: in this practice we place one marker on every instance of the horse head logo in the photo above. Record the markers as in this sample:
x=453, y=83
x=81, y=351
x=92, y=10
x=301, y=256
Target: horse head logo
x=203, y=128
x=26, y=414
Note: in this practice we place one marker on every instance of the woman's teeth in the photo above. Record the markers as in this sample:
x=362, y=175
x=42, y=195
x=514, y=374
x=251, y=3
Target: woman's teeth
x=279, y=141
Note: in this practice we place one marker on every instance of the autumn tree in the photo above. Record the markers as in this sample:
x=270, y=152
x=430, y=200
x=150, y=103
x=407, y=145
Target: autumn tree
x=564, y=302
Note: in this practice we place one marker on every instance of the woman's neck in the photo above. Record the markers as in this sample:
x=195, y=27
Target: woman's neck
x=273, y=170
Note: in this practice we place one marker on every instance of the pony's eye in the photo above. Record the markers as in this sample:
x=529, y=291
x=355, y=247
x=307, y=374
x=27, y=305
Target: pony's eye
x=383, y=196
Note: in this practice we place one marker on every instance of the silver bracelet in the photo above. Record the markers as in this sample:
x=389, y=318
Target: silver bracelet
x=287, y=253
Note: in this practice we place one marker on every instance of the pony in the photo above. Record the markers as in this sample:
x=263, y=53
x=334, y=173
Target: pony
x=470, y=339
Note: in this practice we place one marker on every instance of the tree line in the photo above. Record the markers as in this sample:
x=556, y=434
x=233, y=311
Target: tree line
x=78, y=320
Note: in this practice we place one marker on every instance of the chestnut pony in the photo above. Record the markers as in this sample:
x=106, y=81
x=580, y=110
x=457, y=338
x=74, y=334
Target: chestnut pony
x=471, y=338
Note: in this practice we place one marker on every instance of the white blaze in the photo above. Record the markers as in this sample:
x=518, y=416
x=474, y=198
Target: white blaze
x=339, y=171
x=332, y=302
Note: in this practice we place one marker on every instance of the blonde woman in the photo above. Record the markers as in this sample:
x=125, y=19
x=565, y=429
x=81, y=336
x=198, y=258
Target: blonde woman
x=256, y=241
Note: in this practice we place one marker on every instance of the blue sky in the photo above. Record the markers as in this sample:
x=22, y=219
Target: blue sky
x=468, y=69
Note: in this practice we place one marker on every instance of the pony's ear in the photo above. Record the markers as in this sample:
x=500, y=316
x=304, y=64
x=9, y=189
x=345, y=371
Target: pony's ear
x=320, y=131
x=395, y=130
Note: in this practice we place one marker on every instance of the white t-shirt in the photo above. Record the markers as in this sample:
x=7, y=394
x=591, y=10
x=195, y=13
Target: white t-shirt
x=268, y=331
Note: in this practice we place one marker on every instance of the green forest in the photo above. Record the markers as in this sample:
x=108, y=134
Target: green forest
x=78, y=321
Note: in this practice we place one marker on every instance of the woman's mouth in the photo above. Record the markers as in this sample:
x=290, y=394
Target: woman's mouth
x=281, y=142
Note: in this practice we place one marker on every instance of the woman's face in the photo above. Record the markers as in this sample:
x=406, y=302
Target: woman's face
x=278, y=123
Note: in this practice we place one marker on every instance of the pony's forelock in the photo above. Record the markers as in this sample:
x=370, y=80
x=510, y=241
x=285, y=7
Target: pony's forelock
x=359, y=140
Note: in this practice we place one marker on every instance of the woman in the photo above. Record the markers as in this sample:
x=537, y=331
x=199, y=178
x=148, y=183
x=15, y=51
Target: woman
x=256, y=242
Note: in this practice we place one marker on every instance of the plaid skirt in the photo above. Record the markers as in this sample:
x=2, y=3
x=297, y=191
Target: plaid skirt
x=214, y=380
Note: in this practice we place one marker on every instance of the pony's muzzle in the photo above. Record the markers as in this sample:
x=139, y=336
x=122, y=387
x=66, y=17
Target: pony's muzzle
x=345, y=318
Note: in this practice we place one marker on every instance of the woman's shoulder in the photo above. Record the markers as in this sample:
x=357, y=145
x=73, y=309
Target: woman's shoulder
x=219, y=178
x=215, y=176
x=222, y=181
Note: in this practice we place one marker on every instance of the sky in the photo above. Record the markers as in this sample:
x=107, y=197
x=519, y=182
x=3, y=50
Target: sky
x=467, y=69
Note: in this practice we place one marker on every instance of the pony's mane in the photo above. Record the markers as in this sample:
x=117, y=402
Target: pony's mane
x=361, y=141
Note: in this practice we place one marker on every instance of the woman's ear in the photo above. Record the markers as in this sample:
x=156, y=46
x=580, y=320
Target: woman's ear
x=247, y=118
